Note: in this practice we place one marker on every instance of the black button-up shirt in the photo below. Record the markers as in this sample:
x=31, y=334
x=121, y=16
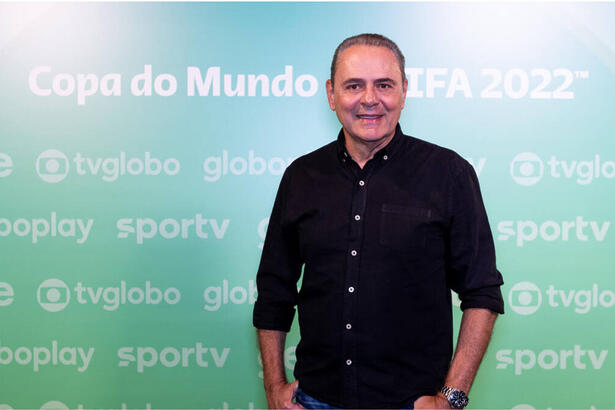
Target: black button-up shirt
x=381, y=248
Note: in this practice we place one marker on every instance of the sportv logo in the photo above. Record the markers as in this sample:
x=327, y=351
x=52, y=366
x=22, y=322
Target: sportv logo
x=523, y=360
x=525, y=298
x=218, y=166
x=148, y=357
x=53, y=166
x=54, y=295
x=53, y=355
x=528, y=168
x=169, y=228
x=528, y=231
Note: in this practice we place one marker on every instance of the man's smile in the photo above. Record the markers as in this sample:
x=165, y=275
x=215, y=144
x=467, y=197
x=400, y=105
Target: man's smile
x=369, y=117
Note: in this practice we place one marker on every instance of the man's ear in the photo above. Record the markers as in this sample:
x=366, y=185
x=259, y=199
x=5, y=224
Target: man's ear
x=404, y=91
x=329, y=86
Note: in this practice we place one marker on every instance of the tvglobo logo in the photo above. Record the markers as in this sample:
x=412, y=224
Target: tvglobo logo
x=528, y=231
x=525, y=298
x=54, y=405
x=54, y=295
x=527, y=169
x=53, y=166
x=523, y=360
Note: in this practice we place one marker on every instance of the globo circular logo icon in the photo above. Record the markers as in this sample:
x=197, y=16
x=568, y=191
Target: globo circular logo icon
x=54, y=405
x=526, y=168
x=53, y=295
x=52, y=166
x=524, y=298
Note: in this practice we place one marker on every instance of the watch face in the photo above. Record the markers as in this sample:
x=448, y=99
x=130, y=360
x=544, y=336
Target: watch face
x=458, y=399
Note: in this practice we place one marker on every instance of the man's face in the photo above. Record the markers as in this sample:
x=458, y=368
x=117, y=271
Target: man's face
x=369, y=93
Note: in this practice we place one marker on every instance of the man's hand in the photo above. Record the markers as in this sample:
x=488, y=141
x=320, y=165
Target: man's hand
x=280, y=396
x=432, y=402
x=279, y=392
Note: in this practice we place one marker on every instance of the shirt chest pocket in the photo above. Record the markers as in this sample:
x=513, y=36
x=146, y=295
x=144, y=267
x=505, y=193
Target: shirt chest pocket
x=406, y=228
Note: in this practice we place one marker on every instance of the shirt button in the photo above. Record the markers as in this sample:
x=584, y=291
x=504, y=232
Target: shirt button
x=351, y=289
x=348, y=362
x=353, y=252
x=348, y=326
x=357, y=217
x=385, y=157
x=361, y=182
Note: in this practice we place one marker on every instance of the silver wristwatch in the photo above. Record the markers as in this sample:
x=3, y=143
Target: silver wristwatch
x=456, y=398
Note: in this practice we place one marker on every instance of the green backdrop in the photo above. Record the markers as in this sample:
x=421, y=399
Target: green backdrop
x=140, y=150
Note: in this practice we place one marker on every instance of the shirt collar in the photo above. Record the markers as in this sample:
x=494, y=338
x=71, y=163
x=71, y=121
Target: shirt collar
x=389, y=150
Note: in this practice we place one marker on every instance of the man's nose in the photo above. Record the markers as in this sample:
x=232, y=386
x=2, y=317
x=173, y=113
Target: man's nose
x=369, y=96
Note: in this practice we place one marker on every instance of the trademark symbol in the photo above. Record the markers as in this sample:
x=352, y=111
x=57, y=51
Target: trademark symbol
x=581, y=74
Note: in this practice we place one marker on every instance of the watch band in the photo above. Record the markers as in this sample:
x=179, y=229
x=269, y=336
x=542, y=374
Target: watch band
x=456, y=398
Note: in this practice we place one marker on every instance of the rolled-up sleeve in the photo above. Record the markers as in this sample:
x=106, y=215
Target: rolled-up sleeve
x=280, y=266
x=472, y=270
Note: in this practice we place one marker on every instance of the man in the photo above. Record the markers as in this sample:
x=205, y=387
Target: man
x=384, y=225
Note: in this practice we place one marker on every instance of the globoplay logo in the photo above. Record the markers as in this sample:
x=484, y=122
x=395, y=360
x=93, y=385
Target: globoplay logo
x=54, y=295
x=55, y=355
x=53, y=166
x=527, y=169
x=525, y=298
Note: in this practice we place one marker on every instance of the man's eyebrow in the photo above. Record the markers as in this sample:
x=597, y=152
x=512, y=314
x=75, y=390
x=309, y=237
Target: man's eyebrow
x=385, y=80
x=361, y=80
x=354, y=80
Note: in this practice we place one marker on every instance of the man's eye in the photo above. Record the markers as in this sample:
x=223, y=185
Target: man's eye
x=384, y=85
x=352, y=86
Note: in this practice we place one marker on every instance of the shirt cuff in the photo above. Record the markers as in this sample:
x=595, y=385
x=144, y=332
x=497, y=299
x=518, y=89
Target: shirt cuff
x=273, y=317
x=483, y=298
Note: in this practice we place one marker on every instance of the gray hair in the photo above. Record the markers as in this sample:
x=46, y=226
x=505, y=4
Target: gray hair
x=369, y=39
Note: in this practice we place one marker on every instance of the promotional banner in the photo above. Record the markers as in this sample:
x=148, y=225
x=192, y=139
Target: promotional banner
x=141, y=146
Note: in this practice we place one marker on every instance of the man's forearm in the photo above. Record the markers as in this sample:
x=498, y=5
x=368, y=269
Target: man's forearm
x=474, y=335
x=272, y=352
